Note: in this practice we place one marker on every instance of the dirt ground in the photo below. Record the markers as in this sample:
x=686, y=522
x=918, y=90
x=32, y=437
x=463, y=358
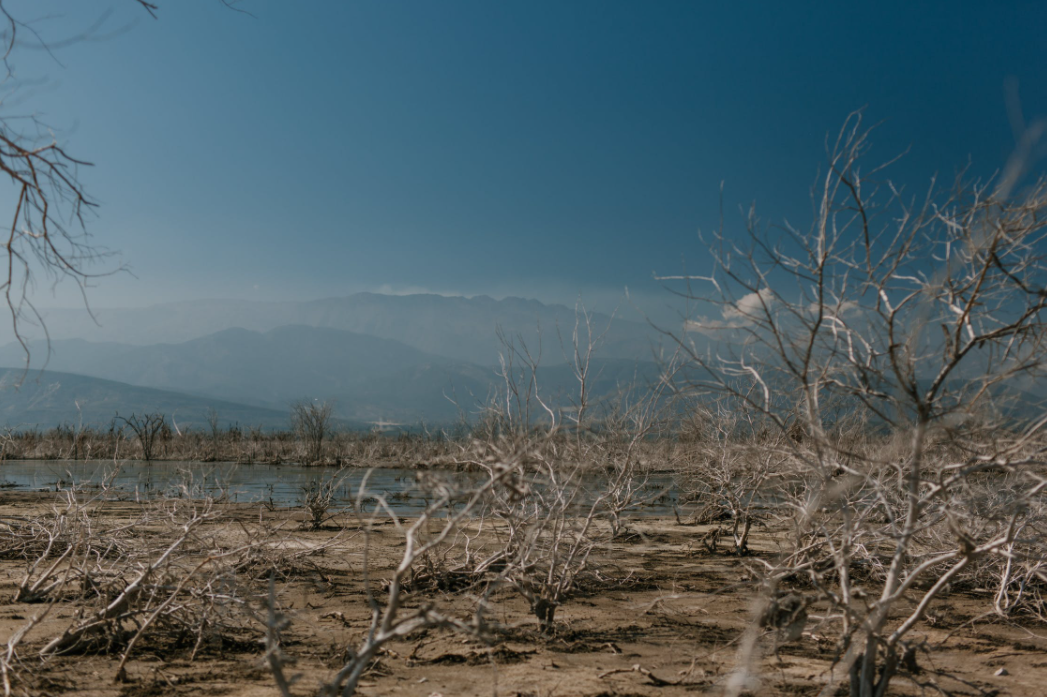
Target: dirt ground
x=667, y=621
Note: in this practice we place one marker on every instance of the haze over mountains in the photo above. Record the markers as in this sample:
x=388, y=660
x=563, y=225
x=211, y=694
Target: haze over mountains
x=455, y=327
x=403, y=359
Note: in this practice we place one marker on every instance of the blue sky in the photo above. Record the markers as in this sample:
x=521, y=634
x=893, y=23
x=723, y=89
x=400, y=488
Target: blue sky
x=543, y=149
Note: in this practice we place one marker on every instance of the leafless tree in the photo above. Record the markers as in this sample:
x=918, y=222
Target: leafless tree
x=920, y=314
x=215, y=428
x=312, y=423
x=146, y=428
x=520, y=399
x=583, y=346
x=47, y=233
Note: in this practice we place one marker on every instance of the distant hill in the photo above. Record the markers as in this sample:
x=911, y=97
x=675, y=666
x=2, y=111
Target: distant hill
x=381, y=358
x=370, y=379
x=458, y=328
x=267, y=369
x=365, y=375
x=52, y=398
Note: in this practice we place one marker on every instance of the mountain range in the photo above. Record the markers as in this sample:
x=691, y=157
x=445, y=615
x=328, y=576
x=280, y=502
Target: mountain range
x=405, y=359
x=454, y=327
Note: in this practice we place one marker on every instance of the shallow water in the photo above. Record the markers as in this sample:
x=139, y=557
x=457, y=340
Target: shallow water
x=278, y=485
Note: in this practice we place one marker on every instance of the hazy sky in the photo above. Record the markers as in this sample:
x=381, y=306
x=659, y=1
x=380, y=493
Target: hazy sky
x=528, y=148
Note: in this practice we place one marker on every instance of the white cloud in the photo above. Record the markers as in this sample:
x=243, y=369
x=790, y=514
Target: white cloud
x=741, y=313
x=844, y=308
x=749, y=307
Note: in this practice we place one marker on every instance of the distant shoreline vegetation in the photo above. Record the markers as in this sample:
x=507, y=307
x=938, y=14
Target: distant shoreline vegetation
x=406, y=446
x=253, y=445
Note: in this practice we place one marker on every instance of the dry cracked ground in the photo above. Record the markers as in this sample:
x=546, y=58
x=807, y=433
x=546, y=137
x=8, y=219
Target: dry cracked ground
x=667, y=618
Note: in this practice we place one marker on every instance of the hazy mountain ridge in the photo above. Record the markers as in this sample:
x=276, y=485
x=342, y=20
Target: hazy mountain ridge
x=268, y=369
x=457, y=327
x=386, y=358
x=369, y=379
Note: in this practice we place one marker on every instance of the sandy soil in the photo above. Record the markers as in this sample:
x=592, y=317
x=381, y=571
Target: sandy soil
x=669, y=626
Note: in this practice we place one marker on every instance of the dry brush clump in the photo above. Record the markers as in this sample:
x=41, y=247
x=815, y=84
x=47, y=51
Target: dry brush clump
x=173, y=573
x=187, y=572
x=174, y=577
x=547, y=520
x=391, y=619
x=734, y=476
x=548, y=538
x=319, y=498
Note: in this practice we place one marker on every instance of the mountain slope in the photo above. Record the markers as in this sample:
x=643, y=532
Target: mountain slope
x=369, y=379
x=53, y=398
x=264, y=369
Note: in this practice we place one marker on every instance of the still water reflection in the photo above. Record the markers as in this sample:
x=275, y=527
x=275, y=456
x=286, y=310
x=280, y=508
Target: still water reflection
x=280, y=485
